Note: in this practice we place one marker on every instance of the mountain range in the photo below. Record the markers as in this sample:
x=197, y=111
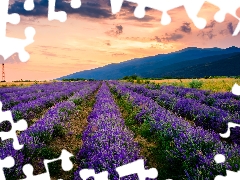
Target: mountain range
x=191, y=62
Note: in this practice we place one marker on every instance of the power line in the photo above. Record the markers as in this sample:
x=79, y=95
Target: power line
x=3, y=73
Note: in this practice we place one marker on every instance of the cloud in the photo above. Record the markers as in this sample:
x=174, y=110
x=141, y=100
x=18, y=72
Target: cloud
x=172, y=37
x=186, y=28
x=211, y=25
x=108, y=43
x=89, y=9
x=118, y=54
x=209, y=34
x=156, y=38
x=166, y=37
x=118, y=30
x=230, y=28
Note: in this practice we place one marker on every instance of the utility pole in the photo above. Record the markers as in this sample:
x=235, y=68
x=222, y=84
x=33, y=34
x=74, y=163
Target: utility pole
x=3, y=73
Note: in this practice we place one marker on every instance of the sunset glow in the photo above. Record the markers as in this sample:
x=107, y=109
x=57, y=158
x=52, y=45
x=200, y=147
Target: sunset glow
x=93, y=37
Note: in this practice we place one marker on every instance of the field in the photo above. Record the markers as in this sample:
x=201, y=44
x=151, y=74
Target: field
x=215, y=84
x=106, y=124
x=12, y=84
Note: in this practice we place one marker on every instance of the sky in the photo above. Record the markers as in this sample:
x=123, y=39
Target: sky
x=93, y=36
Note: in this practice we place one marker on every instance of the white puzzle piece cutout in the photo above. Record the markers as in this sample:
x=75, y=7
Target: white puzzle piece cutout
x=67, y=165
x=192, y=9
x=8, y=162
x=137, y=167
x=236, y=89
x=10, y=46
x=21, y=125
x=230, y=125
x=230, y=175
x=87, y=173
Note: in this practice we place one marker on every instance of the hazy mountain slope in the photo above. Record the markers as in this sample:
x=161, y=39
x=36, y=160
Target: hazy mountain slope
x=170, y=69
x=226, y=67
x=151, y=66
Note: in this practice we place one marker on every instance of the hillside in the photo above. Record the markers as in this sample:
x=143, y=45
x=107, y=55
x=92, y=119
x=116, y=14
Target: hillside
x=226, y=67
x=159, y=65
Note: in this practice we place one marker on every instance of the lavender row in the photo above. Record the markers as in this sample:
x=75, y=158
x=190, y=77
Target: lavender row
x=209, y=118
x=32, y=93
x=107, y=143
x=192, y=147
x=29, y=110
x=226, y=101
x=13, y=91
x=40, y=134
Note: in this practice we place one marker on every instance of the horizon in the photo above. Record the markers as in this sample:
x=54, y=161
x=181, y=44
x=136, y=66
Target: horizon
x=93, y=37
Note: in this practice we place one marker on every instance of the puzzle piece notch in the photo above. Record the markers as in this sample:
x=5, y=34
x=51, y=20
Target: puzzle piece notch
x=53, y=15
x=61, y=15
x=231, y=175
x=137, y=167
x=219, y=158
x=67, y=165
x=230, y=125
x=8, y=162
x=236, y=88
x=29, y=5
x=76, y=4
x=20, y=126
x=227, y=7
x=87, y=173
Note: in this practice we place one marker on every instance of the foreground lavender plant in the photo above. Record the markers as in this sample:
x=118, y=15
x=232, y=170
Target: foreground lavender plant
x=107, y=143
x=226, y=101
x=41, y=133
x=190, y=149
x=210, y=118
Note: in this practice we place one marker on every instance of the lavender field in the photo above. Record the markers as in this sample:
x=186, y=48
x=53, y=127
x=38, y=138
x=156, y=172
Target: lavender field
x=106, y=124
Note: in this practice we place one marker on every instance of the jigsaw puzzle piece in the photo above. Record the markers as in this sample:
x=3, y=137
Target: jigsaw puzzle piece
x=137, y=167
x=9, y=46
x=67, y=165
x=5, y=17
x=230, y=125
x=116, y=5
x=87, y=173
x=8, y=162
x=160, y=5
x=53, y=15
x=219, y=158
x=227, y=7
x=28, y=171
x=230, y=175
x=192, y=9
x=20, y=126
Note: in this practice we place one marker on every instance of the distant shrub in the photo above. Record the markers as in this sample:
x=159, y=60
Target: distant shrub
x=195, y=83
x=138, y=80
x=130, y=80
x=147, y=82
